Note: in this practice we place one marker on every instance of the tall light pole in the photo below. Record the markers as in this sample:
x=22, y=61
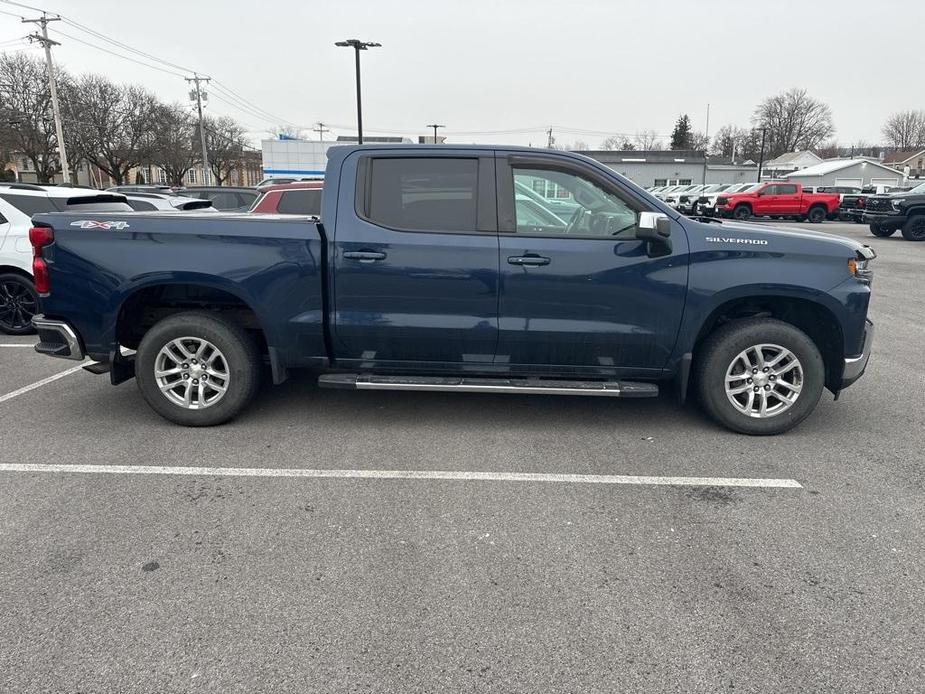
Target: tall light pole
x=52, y=87
x=435, y=126
x=358, y=46
x=764, y=132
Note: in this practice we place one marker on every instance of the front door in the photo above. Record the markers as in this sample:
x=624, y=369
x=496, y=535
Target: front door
x=415, y=281
x=579, y=293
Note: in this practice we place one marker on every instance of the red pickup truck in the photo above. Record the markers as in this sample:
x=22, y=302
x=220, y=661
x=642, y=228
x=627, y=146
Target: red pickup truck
x=778, y=200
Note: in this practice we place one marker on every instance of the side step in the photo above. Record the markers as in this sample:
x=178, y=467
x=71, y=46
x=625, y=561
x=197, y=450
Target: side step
x=524, y=386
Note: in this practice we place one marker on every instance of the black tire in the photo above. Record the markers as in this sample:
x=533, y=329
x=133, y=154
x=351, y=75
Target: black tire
x=816, y=214
x=720, y=350
x=914, y=228
x=239, y=351
x=878, y=230
x=18, y=303
x=742, y=212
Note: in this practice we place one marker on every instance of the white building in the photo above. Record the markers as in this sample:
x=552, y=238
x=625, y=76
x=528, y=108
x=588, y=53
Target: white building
x=847, y=172
x=789, y=162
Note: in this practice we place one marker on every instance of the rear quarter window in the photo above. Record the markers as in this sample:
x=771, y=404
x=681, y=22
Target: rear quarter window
x=300, y=202
x=30, y=204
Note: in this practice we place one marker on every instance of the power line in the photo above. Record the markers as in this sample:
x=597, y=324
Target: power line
x=118, y=55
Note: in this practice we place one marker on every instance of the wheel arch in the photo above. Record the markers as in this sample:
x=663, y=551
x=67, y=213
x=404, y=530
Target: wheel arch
x=815, y=319
x=149, y=302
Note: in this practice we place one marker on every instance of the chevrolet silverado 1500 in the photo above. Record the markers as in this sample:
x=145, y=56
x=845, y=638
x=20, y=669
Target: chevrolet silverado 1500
x=431, y=268
x=778, y=200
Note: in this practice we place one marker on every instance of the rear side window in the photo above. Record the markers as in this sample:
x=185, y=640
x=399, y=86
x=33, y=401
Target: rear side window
x=423, y=194
x=30, y=204
x=300, y=202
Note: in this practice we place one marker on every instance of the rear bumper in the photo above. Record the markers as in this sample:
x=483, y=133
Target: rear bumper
x=855, y=366
x=57, y=339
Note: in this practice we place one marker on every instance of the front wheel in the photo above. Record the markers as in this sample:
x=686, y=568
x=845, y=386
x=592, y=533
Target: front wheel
x=197, y=369
x=914, y=228
x=18, y=304
x=742, y=212
x=759, y=376
x=878, y=230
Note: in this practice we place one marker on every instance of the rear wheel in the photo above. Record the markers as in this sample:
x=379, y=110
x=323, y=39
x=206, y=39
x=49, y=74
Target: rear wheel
x=914, y=228
x=878, y=230
x=759, y=376
x=742, y=212
x=197, y=369
x=18, y=303
x=816, y=214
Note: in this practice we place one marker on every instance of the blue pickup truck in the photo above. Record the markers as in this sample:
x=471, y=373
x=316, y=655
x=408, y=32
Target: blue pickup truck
x=441, y=268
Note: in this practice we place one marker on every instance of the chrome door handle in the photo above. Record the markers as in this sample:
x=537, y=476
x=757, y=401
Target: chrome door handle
x=528, y=260
x=365, y=256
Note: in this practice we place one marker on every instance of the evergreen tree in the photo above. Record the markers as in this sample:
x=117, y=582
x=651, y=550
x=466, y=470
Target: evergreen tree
x=681, y=135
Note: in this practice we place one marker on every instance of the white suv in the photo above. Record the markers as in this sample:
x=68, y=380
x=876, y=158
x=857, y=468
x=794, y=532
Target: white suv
x=18, y=202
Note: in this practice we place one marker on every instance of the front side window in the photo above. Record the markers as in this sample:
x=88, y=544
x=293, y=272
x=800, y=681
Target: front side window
x=423, y=194
x=588, y=209
x=769, y=190
x=786, y=190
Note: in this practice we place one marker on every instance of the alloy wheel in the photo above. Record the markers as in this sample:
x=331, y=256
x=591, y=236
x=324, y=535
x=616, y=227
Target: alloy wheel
x=192, y=373
x=764, y=380
x=17, y=306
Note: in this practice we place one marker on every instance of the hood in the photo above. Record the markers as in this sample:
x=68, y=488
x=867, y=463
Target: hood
x=769, y=232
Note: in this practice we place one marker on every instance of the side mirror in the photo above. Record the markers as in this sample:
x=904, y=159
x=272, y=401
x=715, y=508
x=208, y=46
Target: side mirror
x=655, y=229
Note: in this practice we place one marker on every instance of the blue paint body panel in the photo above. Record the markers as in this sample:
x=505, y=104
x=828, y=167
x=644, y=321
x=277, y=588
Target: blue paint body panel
x=450, y=302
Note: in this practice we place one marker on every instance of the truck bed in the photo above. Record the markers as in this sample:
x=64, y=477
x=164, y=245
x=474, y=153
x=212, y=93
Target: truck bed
x=272, y=265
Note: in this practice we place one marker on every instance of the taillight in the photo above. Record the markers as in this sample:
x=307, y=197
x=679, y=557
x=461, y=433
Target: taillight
x=40, y=237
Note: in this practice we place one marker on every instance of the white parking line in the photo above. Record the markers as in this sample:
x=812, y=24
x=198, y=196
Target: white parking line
x=17, y=344
x=43, y=382
x=457, y=475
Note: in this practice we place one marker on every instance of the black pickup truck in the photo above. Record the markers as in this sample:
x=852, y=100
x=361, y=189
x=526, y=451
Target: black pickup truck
x=897, y=211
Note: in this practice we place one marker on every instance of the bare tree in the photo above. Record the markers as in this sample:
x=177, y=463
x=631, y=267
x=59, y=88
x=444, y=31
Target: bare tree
x=175, y=147
x=726, y=139
x=226, y=140
x=698, y=141
x=28, y=127
x=647, y=140
x=905, y=129
x=114, y=124
x=794, y=121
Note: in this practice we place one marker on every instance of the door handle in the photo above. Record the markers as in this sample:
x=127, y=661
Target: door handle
x=528, y=260
x=365, y=256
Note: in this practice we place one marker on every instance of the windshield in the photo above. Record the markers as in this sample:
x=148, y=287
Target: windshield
x=919, y=189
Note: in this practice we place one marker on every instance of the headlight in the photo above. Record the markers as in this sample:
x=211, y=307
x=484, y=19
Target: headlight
x=896, y=204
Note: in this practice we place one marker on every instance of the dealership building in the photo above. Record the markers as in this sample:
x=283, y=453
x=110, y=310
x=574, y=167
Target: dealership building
x=674, y=167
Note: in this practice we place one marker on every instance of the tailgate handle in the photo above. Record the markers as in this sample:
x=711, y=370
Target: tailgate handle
x=527, y=260
x=365, y=256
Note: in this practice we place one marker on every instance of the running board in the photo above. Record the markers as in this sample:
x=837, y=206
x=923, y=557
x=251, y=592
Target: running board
x=524, y=386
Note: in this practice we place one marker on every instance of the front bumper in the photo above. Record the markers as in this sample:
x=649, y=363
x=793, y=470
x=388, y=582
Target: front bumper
x=855, y=366
x=57, y=339
x=885, y=220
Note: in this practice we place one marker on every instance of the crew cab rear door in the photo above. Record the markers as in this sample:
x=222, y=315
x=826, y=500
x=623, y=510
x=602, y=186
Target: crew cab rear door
x=415, y=259
x=579, y=293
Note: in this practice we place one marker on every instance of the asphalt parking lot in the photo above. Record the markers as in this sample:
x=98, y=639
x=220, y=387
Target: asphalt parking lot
x=225, y=583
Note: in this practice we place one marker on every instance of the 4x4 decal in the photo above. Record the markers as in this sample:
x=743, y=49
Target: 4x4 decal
x=93, y=224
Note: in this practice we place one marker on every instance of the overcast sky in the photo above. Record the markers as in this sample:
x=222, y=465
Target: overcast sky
x=586, y=67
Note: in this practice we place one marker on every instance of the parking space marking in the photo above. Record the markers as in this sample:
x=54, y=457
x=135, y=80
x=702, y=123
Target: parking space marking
x=43, y=382
x=457, y=475
x=16, y=344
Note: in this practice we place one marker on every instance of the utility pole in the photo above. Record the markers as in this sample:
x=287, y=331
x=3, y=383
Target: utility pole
x=706, y=134
x=358, y=46
x=197, y=95
x=435, y=126
x=52, y=86
x=550, y=140
x=764, y=131
x=321, y=130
